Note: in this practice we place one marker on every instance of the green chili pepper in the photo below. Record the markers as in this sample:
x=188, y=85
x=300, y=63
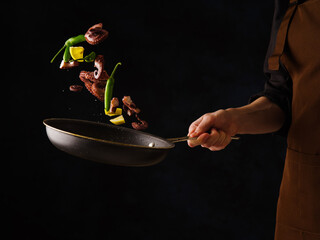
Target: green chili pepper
x=109, y=89
x=75, y=40
x=67, y=55
x=70, y=42
x=89, y=58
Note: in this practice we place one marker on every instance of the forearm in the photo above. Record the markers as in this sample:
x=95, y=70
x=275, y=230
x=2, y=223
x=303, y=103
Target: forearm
x=258, y=117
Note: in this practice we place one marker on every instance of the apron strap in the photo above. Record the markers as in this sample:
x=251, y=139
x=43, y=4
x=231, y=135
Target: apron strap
x=274, y=59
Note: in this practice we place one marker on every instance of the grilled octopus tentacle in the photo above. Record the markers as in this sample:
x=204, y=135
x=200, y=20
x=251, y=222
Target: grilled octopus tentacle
x=95, y=87
x=98, y=89
x=140, y=125
x=114, y=104
x=99, y=64
x=129, y=105
x=96, y=34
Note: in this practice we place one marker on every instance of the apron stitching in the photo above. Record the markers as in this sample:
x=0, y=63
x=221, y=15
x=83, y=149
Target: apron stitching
x=299, y=230
x=310, y=154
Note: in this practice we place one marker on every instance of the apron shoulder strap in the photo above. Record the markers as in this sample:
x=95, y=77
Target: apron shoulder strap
x=274, y=59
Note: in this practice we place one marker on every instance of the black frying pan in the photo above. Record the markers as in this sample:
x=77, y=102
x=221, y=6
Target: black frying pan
x=106, y=143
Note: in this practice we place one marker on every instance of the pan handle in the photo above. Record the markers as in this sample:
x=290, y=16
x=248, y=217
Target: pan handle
x=186, y=138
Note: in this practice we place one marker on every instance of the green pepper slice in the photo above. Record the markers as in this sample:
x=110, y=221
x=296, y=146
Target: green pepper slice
x=109, y=89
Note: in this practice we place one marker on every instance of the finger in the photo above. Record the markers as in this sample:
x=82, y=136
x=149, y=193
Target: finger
x=205, y=125
x=222, y=142
x=199, y=141
x=218, y=145
x=212, y=139
x=203, y=138
x=222, y=137
x=192, y=143
x=194, y=125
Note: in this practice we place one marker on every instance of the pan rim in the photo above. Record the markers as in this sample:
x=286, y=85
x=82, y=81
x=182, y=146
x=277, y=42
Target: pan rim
x=45, y=122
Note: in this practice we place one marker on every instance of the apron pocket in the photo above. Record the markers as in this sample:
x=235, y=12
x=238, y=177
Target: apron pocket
x=308, y=190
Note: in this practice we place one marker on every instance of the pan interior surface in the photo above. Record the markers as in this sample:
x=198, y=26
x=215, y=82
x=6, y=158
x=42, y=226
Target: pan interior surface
x=107, y=133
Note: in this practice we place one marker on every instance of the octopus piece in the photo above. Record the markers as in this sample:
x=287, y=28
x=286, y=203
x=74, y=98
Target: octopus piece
x=75, y=88
x=113, y=105
x=129, y=106
x=128, y=111
x=98, y=89
x=96, y=81
x=140, y=125
x=96, y=34
x=99, y=64
x=95, y=87
x=90, y=76
x=67, y=65
x=87, y=82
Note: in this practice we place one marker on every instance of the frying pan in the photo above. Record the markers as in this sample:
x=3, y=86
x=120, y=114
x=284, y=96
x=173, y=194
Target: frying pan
x=106, y=143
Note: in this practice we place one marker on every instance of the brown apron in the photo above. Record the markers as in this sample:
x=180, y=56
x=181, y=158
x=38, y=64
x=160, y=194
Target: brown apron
x=298, y=48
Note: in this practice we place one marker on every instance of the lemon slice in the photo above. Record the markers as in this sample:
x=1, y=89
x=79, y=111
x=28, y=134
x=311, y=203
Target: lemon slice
x=118, y=120
x=76, y=53
x=116, y=113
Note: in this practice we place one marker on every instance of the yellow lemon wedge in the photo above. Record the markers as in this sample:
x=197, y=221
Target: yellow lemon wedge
x=116, y=113
x=118, y=120
x=76, y=52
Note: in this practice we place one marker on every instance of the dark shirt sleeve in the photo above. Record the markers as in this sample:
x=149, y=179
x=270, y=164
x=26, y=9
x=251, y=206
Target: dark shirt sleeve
x=278, y=86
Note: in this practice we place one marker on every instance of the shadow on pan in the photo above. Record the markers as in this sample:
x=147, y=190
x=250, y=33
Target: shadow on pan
x=106, y=143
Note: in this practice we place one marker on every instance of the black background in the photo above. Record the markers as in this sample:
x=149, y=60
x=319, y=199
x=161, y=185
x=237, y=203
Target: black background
x=179, y=61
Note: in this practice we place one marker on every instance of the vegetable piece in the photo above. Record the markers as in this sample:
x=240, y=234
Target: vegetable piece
x=75, y=40
x=70, y=42
x=66, y=55
x=116, y=113
x=109, y=89
x=77, y=53
x=89, y=58
x=118, y=120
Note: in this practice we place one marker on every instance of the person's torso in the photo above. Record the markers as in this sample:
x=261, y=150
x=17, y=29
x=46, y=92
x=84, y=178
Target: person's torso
x=301, y=58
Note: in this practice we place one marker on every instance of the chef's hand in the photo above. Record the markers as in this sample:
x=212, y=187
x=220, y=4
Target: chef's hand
x=213, y=130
